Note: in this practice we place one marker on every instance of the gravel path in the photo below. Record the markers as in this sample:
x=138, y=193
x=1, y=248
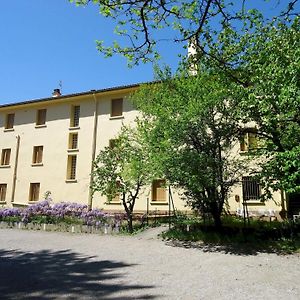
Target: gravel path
x=46, y=265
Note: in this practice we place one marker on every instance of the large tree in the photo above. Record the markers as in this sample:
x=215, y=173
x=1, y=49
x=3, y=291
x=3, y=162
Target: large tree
x=191, y=129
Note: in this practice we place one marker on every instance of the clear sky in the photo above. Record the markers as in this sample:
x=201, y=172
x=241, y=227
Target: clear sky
x=44, y=42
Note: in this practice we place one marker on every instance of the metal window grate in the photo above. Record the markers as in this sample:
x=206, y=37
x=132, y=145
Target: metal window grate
x=72, y=162
x=251, y=188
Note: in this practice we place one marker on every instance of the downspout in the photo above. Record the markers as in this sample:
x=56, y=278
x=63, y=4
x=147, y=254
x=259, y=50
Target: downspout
x=15, y=170
x=94, y=144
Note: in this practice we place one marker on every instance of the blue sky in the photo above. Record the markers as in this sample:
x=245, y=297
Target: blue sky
x=44, y=42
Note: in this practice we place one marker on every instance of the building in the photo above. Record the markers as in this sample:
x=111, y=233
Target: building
x=49, y=145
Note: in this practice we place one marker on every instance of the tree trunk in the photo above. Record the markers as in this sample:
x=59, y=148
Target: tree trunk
x=216, y=214
x=129, y=223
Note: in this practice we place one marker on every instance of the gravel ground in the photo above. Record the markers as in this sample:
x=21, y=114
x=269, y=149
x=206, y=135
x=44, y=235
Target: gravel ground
x=47, y=265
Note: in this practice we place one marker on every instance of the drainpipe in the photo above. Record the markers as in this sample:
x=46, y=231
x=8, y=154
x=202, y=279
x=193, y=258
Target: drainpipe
x=94, y=144
x=15, y=170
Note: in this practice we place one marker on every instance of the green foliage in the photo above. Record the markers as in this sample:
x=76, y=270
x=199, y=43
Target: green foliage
x=190, y=131
x=141, y=25
x=123, y=170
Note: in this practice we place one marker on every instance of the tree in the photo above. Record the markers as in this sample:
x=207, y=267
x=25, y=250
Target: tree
x=270, y=64
x=122, y=170
x=191, y=130
x=145, y=24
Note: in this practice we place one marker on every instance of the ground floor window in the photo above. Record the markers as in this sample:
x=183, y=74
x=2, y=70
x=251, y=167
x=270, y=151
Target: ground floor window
x=3, y=188
x=159, y=191
x=34, y=191
x=251, y=188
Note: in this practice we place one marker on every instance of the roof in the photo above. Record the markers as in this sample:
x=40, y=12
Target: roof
x=116, y=88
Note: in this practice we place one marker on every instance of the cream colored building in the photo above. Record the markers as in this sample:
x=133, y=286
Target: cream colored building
x=49, y=145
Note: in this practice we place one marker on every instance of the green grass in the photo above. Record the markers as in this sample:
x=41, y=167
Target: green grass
x=282, y=237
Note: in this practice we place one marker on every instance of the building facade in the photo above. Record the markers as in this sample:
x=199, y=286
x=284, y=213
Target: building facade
x=49, y=145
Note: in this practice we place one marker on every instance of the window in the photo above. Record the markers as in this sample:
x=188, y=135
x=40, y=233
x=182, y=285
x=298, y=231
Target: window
x=251, y=188
x=71, y=168
x=75, y=115
x=9, y=122
x=73, y=141
x=116, y=107
x=5, y=157
x=37, y=157
x=116, y=197
x=34, y=191
x=3, y=188
x=249, y=140
x=112, y=143
x=159, y=190
x=41, y=117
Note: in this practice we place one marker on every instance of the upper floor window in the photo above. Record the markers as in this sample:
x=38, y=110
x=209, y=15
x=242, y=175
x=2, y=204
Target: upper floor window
x=159, y=192
x=34, y=191
x=9, y=121
x=251, y=188
x=71, y=167
x=5, y=157
x=116, y=107
x=37, y=157
x=3, y=188
x=249, y=140
x=75, y=115
x=41, y=117
x=73, y=141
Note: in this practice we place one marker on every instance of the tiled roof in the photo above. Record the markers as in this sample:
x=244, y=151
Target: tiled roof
x=122, y=87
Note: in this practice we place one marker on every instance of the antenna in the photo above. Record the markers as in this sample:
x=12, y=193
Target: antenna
x=60, y=85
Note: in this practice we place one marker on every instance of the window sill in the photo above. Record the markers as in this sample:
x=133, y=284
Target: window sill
x=37, y=164
x=113, y=203
x=40, y=126
x=255, y=203
x=2, y=202
x=159, y=203
x=4, y=166
x=116, y=117
x=8, y=129
x=73, y=150
x=71, y=180
x=33, y=202
x=74, y=128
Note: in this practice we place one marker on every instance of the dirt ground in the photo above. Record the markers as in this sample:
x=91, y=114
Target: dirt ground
x=47, y=265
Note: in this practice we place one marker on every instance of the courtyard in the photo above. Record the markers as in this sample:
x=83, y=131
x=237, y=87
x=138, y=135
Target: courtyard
x=49, y=265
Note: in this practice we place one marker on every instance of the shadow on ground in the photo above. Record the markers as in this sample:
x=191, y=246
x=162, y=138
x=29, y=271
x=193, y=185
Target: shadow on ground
x=64, y=274
x=235, y=249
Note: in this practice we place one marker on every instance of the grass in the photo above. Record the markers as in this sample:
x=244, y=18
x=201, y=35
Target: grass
x=281, y=237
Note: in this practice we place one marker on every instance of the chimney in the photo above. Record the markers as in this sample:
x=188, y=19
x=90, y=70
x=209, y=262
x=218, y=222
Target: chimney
x=56, y=93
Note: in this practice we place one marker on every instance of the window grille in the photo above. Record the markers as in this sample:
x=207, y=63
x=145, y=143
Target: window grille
x=251, y=188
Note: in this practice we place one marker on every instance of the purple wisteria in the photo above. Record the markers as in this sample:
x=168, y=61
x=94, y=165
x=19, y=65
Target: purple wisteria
x=72, y=213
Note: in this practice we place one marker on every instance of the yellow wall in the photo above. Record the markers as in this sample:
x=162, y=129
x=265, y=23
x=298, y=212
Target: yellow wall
x=55, y=136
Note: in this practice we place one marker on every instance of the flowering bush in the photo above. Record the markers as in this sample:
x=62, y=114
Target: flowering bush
x=72, y=213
